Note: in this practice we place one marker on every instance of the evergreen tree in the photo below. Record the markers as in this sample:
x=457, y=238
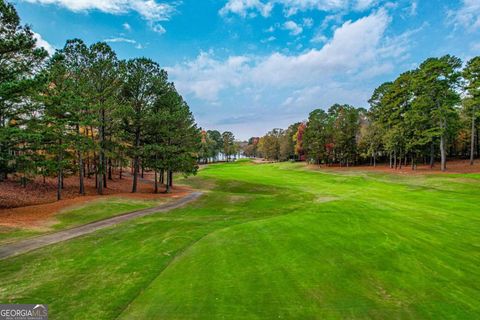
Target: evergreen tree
x=316, y=136
x=228, y=147
x=436, y=83
x=144, y=82
x=471, y=104
x=103, y=85
x=20, y=61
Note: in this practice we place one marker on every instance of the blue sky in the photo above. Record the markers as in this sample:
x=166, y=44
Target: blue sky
x=252, y=65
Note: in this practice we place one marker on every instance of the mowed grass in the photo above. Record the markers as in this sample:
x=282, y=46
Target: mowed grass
x=79, y=215
x=274, y=241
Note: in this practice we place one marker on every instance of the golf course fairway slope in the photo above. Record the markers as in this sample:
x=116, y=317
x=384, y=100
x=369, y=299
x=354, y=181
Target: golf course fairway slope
x=274, y=241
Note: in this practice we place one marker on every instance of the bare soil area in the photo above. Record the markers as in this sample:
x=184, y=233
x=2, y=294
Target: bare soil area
x=456, y=166
x=31, y=206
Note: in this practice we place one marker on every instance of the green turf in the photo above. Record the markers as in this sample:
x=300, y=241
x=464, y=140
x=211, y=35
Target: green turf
x=274, y=241
x=79, y=215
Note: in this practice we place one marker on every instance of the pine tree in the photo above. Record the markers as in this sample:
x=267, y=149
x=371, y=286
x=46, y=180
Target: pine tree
x=144, y=82
x=20, y=61
x=471, y=73
x=436, y=83
x=103, y=86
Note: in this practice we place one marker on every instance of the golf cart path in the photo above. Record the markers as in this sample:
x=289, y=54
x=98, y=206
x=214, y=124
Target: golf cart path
x=23, y=246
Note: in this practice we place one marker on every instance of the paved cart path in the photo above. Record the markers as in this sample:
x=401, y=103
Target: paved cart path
x=23, y=246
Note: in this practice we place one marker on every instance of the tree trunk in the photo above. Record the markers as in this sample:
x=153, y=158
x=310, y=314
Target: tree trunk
x=162, y=176
x=136, y=161
x=156, y=181
x=59, y=175
x=168, y=185
x=99, y=173
x=121, y=172
x=101, y=159
x=81, y=167
x=443, y=153
x=110, y=169
x=472, y=141
x=135, y=174
x=105, y=172
x=432, y=155
x=170, y=178
x=81, y=173
x=478, y=140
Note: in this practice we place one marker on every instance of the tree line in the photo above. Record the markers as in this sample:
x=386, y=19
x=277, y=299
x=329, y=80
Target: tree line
x=214, y=144
x=85, y=112
x=427, y=114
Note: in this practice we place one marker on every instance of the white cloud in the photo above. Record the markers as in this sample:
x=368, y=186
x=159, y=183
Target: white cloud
x=413, y=9
x=364, y=4
x=124, y=40
x=467, y=16
x=333, y=18
x=319, y=38
x=120, y=40
x=150, y=10
x=358, y=50
x=322, y=96
x=293, y=27
x=43, y=43
x=270, y=29
x=243, y=7
x=205, y=76
x=269, y=39
x=158, y=28
x=292, y=7
x=308, y=22
x=353, y=46
x=127, y=26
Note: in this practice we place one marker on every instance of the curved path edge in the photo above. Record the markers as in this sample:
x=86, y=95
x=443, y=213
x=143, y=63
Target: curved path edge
x=24, y=246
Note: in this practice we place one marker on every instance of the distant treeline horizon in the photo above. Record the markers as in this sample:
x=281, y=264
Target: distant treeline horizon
x=427, y=114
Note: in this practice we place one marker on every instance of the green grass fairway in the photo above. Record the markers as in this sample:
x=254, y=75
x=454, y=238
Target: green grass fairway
x=274, y=241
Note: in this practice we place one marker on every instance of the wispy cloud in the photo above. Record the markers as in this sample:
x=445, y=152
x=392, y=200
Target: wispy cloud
x=357, y=50
x=127, y=26
x=124, y=40
x=269, y=39
x=245, y=8
x=150, y=10
x=293, y=27
x=467, y=16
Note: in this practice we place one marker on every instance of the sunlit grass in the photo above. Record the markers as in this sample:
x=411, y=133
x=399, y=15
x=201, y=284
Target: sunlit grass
x=273, y=241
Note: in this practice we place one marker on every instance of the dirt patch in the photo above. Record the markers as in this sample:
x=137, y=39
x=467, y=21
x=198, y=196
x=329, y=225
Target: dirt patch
x=457, y=166
x=237, y=198
x=323, y=199
x=33, y=206
x=261, y=161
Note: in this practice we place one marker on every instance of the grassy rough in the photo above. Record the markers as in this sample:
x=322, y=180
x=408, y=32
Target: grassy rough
x=79, y=215
x=274, y=241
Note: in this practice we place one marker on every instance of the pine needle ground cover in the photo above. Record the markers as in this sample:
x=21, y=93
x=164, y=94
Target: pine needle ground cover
x=273, y=241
